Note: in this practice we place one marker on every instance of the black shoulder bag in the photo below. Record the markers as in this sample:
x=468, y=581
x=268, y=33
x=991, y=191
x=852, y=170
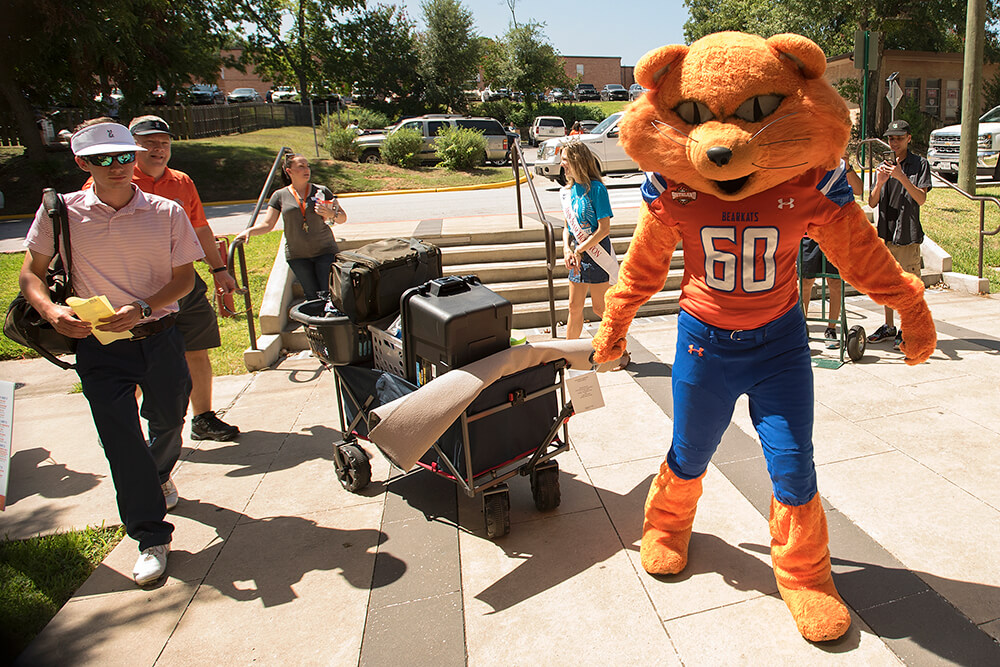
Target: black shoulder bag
x=25, y=325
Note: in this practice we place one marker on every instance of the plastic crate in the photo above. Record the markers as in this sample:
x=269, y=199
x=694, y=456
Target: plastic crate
x=387, y=351
x=332, y=337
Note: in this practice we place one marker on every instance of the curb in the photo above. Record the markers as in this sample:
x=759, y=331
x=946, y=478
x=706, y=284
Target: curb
x=346, y=195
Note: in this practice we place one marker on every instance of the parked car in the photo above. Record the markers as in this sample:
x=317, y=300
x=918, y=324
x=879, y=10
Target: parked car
x=546, y=127
x=944, y=148
x=115, y=97
x=602, y=142
x=157, y=96
x=588, y=125
x=205, y=93
x=241, y=95
x=286, y=95
x=614, y=91
x=490, y=95
x=430, y=125
x=559, y=95
x=585, y=91
x=635, y=91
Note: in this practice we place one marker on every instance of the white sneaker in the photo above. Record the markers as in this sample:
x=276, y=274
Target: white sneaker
x=151, y=565
x=169, y=494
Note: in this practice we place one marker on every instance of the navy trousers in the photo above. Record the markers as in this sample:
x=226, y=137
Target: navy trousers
x=771, y=365
x=109, y=375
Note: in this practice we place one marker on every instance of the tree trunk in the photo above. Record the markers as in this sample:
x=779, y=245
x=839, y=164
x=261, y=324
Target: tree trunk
x=31, y=139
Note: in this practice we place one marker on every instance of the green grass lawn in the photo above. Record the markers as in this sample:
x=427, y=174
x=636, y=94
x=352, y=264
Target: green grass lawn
x=952, y=221
x=235, y=167
x=38, y=576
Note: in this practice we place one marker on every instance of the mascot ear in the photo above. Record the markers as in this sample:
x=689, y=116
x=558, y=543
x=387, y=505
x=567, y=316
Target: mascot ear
x=652, y=66
x=802, y=51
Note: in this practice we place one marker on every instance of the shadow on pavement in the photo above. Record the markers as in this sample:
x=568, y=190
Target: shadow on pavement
x=29, y=476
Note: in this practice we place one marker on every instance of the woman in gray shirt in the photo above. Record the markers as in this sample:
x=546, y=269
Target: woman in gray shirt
x=307, y=210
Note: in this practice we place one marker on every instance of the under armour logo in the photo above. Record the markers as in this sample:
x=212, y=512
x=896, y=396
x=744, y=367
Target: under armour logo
x=692, y=349
x=790, y=203
x=111, y=134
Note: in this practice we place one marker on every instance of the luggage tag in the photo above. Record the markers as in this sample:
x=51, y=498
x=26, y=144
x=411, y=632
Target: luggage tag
x=584, y=390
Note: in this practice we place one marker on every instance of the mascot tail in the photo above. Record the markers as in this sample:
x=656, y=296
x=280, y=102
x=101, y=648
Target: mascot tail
x=801, y=558
x=666, y=530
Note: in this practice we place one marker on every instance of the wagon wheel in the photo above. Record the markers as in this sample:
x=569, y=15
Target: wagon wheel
x=856, y=343
x=545, y=487
x=496, y=510
x=355, y=471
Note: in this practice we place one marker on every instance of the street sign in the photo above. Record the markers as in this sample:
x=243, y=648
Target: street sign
x=894, y=94
x=866, y=49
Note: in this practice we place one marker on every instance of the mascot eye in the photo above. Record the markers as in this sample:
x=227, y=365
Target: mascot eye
x=757, y=108
x=694, y=113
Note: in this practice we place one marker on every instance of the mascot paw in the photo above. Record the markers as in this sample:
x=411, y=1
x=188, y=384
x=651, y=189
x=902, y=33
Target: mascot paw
x=605, y=351
x=662, y=552
x=819, y=613
x=918, y=346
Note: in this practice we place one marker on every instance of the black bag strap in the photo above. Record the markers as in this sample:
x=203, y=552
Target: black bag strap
x=55, y=206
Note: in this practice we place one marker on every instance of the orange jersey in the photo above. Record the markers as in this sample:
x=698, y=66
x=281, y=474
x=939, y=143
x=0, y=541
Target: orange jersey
x=173, y=185
x=739, y=256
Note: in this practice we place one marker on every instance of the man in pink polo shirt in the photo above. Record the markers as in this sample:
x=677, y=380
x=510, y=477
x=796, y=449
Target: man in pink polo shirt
x=138, y=250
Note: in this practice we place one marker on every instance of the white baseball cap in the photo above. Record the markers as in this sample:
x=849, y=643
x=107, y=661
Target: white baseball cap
x=103, y=138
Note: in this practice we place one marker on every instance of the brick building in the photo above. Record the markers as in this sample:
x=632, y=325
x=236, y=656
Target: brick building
x=598, y=70
x=934, y=79
x=231, y=78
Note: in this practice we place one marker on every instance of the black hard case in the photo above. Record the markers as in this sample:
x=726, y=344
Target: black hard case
x=333, y=338
x=449, y=322
x=366, y=283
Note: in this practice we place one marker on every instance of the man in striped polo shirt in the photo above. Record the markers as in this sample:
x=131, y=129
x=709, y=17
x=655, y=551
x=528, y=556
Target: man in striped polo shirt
x=138, y=250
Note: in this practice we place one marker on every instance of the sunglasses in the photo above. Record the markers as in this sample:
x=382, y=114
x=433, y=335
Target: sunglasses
x=107, y=160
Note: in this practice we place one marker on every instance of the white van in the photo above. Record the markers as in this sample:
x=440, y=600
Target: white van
x=546, y=127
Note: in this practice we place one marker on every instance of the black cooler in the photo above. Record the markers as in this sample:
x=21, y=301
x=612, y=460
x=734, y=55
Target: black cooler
x=450, y=322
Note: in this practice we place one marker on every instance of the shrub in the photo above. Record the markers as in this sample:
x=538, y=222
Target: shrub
x=339, y=141
x=367, y=119
x=402, y=148
x=460, y=148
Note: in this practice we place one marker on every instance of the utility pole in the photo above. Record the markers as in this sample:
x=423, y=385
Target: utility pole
x=972, y=85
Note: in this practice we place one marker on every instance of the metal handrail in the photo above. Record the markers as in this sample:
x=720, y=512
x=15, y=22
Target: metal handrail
x=517, y=159
x=236, y=248
x=979, y=198
x=982, y=215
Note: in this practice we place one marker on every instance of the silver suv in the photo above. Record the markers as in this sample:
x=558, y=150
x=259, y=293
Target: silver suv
x=946, y=141
x=429, y=126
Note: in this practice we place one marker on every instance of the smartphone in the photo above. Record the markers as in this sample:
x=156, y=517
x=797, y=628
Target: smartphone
x=890, y=158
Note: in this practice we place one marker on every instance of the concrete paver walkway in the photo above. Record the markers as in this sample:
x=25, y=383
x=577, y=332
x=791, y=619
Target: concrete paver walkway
x=273, y=562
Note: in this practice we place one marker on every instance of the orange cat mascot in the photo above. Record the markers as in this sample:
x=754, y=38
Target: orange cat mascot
x=741, y=139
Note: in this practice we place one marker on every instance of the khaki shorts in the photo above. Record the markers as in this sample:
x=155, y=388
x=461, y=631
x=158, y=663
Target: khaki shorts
x=908, y=256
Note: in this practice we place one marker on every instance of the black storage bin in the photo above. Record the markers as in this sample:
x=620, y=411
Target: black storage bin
x=450, y=322
x=508, y=434
x=333, y=338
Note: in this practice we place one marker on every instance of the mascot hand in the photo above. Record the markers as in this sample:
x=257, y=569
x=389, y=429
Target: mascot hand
x=607, y=349
x=919, y=334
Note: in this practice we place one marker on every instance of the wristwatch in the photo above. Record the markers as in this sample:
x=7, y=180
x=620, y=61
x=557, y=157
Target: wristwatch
x=144, y=307
x=219, y=269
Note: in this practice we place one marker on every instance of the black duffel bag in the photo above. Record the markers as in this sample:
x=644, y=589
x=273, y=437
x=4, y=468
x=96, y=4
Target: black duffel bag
x=25, y=325
x=366, y=283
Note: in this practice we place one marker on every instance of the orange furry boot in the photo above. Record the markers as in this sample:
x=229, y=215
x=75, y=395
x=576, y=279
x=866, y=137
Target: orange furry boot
x=666, y=530
x=801, y=558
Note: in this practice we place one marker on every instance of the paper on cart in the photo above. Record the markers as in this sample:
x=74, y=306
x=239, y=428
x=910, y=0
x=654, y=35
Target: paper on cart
x=92, y=310
x=584, y=390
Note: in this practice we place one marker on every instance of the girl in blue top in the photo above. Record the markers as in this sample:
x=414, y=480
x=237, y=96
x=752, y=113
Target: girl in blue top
x=586, y=199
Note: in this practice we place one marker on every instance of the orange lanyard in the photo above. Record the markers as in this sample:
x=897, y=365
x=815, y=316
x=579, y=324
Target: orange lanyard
x=302, y=206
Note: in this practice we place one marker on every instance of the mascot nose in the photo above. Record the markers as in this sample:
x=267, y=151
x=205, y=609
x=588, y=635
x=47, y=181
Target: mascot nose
x=720, y=155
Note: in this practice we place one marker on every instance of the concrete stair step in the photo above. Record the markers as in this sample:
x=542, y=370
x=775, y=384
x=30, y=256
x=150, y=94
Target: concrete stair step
x=528, y=291
x=531, y=250
x=536, y=314
x=528, y=269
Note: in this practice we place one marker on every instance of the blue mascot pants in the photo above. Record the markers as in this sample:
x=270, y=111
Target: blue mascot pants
x=771, y=365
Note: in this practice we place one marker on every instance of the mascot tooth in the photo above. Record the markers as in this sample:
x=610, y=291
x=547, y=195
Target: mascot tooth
x=741, y=139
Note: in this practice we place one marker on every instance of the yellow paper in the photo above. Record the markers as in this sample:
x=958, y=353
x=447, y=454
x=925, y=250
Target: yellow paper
x=92, y=310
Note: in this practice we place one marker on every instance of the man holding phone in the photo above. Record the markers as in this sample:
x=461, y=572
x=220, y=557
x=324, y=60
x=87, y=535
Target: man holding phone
x=901, y=185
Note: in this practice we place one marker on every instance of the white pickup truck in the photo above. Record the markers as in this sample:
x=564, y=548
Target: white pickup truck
x=944, y=147
x=602, y=142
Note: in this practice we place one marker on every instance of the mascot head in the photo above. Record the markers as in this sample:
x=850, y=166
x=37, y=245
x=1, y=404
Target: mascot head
x=735, y=114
